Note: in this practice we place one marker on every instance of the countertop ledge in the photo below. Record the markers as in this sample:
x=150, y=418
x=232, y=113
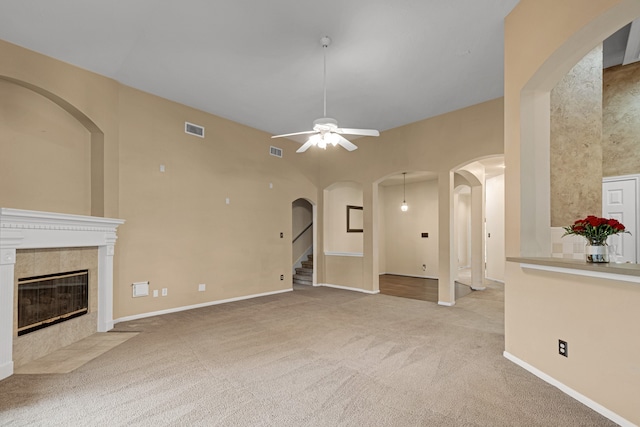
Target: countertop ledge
x=626, y=271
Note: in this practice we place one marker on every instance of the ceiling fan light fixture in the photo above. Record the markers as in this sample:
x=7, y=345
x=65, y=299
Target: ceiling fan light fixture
x=325, y=130
x=331, y=138
x=317, y=140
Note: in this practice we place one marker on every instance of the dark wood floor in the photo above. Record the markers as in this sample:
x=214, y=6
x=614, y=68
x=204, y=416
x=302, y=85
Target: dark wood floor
x=409, y=287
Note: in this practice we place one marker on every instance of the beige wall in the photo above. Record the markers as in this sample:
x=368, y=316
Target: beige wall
x=439, y=144
x=382, y=239
x=46, y=154
x=405, y=250
x=462, y=227
x=576, y=142
x=543, y=41
x=621, y=120
x=179, y=232
x=336, y=198
x=91, y=99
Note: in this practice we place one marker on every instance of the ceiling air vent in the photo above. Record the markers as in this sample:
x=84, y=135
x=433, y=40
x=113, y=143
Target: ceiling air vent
x=192, y=129
x=275, y=151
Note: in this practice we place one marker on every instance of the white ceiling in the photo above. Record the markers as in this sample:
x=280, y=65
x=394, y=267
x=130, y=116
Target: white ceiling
x=260, y=62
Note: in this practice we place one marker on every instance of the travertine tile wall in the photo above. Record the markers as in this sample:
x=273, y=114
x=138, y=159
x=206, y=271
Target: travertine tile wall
x=621, y=120
x=576, y=142
x=36, y=262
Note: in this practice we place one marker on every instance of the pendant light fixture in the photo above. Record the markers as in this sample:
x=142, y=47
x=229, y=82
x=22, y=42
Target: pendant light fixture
x=404, y=207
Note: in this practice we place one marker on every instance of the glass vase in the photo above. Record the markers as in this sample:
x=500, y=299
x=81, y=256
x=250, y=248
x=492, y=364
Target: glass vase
x=596, y=252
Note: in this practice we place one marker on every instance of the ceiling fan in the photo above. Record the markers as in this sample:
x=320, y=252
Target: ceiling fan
x=325, y=130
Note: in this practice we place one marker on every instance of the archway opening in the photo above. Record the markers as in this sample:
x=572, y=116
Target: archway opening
x=303, y=242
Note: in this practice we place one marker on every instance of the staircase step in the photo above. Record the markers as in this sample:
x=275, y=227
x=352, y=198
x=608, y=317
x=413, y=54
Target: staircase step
x=304, y=270
x=302, y=282
x=303, y=276
x=307, y=264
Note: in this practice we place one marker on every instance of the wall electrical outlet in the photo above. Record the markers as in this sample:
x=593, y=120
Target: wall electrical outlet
x=202, y=287
x=165, y=292
x=282, y=277
x=563, y=348
x=424, y=267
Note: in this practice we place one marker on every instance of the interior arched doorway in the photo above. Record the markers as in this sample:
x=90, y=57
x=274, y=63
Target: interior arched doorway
x=483, y=179
x=303, y=232
x=408, y=239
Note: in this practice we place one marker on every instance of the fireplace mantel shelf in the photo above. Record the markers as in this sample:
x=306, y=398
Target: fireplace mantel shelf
x=25, y=229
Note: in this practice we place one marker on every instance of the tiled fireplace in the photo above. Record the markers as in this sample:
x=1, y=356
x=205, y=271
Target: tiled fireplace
x=34, y=244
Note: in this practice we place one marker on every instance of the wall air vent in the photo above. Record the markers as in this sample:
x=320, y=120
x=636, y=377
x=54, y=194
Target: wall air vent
x=192, y=129
x=275, y=151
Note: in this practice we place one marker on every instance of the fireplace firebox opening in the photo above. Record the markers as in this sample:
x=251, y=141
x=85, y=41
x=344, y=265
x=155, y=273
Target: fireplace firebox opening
x=46, y=300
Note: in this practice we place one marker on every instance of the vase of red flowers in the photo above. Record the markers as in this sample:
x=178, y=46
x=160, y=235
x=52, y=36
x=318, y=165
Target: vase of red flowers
x=596, y=231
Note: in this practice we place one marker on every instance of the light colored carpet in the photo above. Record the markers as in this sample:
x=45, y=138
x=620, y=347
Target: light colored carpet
x=312, y=357
x=71, y=357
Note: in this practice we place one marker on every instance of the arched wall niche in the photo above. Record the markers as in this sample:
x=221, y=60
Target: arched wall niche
x=96, y=138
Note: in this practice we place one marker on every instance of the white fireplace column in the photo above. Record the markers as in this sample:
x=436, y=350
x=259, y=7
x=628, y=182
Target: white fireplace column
x=7, y=263
x=21, y=229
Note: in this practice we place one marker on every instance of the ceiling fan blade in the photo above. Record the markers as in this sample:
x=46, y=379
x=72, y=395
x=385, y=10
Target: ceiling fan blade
x=294, y=134
x=346, y=144
x=359, y=132
x=305, y=146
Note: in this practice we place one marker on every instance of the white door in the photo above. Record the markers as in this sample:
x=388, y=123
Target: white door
x=619, y=201
x=494, y=244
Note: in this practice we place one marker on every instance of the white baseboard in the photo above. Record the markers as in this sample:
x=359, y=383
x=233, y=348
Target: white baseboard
x=446, y=304
x=6, y=370
x=346, y=288
x=571, y=392
x=191, y=307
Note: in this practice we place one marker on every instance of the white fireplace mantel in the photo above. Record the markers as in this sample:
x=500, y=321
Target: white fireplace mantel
x=22, y=229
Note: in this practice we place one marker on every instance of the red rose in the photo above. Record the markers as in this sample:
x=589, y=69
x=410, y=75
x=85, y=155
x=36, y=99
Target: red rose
x=612, y=222
x=593, y=221
x=619, y=227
